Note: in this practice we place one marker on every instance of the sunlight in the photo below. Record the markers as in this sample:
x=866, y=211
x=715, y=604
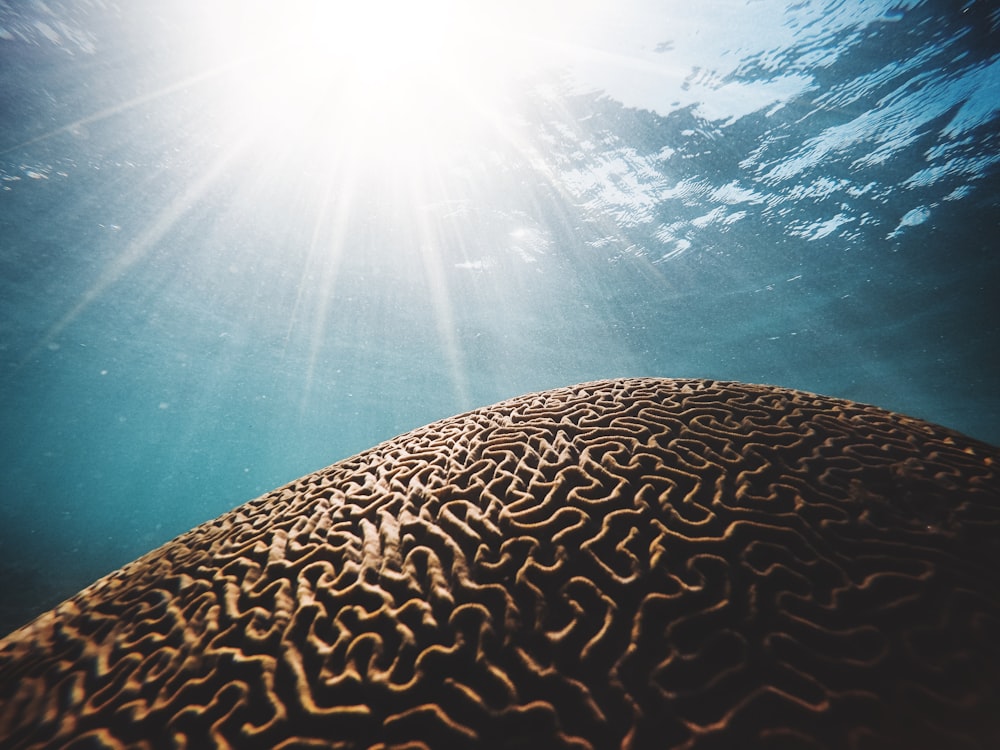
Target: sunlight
x=361, y=114
x=367, y=76
x=354, y=75
x=348, y=115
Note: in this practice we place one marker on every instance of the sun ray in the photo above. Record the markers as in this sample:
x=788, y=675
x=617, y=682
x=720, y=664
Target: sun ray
x=140, y=247
x=326, y=248
x=136, y=102
x=341, y=102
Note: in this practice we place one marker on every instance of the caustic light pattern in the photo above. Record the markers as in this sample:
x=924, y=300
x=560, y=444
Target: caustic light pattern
x=629, y=563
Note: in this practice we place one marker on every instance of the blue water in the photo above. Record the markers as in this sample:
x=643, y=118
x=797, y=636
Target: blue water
x=214, y=279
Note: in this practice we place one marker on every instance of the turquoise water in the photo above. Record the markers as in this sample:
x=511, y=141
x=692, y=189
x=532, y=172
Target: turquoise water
x=220, y=271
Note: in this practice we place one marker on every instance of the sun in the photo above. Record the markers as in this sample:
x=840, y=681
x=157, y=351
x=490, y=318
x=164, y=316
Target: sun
x=371, y=77
x=309, y=48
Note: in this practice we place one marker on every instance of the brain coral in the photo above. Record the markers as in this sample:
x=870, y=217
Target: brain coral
x=642, y=563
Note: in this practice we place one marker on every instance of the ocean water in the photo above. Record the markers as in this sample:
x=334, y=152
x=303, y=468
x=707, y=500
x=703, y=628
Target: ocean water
x=240, y=242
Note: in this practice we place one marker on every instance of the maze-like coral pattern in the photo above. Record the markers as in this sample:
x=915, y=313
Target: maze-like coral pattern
x=639, y=563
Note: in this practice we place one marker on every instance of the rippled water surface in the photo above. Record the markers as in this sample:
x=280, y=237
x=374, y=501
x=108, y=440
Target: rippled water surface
x=238, y=243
